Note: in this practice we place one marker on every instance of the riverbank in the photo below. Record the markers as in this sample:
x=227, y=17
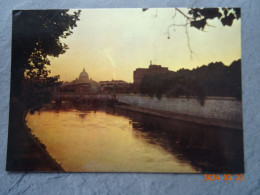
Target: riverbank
x=182, y=117
x=110, y=138
x=25, y=152
x=217, y=111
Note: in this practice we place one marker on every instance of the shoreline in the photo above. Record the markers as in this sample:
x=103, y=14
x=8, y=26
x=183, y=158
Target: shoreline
x=25, y=152
x=182, y=117
x=43, y=149
x=177, y=116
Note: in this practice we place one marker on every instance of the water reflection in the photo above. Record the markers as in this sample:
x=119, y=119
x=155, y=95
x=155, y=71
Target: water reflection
x=207, y=149
x=114, y=139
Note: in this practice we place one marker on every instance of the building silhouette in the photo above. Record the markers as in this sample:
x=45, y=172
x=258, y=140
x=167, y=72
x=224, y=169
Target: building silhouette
x=83, y=77
x=153, y=69
x=82, y=84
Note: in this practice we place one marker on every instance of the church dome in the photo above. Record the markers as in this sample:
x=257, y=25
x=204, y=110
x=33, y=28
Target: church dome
x=83, y=76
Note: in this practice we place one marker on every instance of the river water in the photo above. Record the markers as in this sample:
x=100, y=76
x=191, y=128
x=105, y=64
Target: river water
x=117, y=140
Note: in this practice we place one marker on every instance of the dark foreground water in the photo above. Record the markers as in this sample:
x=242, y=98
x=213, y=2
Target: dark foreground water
x=124, y=141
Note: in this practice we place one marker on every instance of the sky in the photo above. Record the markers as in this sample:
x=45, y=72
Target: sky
x=112, y=43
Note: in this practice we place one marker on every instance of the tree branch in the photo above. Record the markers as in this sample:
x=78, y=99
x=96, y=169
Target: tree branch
x=188, y=39
x=188, y=18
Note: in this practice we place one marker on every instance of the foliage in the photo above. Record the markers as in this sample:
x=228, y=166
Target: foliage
x=198, y=16
x=38, y=92
x=171, y=85
x=36, y=36
x=215, y=79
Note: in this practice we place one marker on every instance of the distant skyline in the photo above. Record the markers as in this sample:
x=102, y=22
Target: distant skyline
x=112, y=43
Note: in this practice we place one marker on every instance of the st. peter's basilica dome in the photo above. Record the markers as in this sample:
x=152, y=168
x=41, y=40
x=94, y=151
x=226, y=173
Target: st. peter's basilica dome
x=83, y=76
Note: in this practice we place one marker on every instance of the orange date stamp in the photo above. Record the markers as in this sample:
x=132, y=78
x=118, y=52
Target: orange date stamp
x=225, y=177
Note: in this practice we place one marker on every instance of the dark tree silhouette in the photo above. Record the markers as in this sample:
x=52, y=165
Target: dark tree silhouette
x=198, y=18
x=215, y=79
x=36, y=36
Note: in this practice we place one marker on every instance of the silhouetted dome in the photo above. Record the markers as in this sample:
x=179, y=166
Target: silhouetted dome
x=83, y=76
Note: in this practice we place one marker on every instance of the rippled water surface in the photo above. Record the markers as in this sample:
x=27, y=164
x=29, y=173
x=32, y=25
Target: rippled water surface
x=122, y=141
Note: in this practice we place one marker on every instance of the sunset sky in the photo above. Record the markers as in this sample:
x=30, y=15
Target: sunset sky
x=112, y=43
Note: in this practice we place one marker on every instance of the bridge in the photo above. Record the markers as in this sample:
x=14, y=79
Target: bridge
x=58, y=97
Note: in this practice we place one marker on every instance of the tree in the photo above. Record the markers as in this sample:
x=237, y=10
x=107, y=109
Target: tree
x=214, y=79
x=172, y=85
x=198, y=18
x=37, y=35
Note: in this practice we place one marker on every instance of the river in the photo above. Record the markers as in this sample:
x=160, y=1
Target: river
x=118, y=140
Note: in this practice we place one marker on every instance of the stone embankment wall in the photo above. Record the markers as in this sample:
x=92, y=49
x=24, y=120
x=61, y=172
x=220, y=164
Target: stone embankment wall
x=216, y=108
x=220, y=108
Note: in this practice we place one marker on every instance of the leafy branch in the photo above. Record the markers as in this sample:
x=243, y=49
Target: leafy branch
x=198, y=18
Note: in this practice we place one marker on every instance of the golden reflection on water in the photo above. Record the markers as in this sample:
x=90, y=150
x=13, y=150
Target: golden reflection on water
x=100, y=142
